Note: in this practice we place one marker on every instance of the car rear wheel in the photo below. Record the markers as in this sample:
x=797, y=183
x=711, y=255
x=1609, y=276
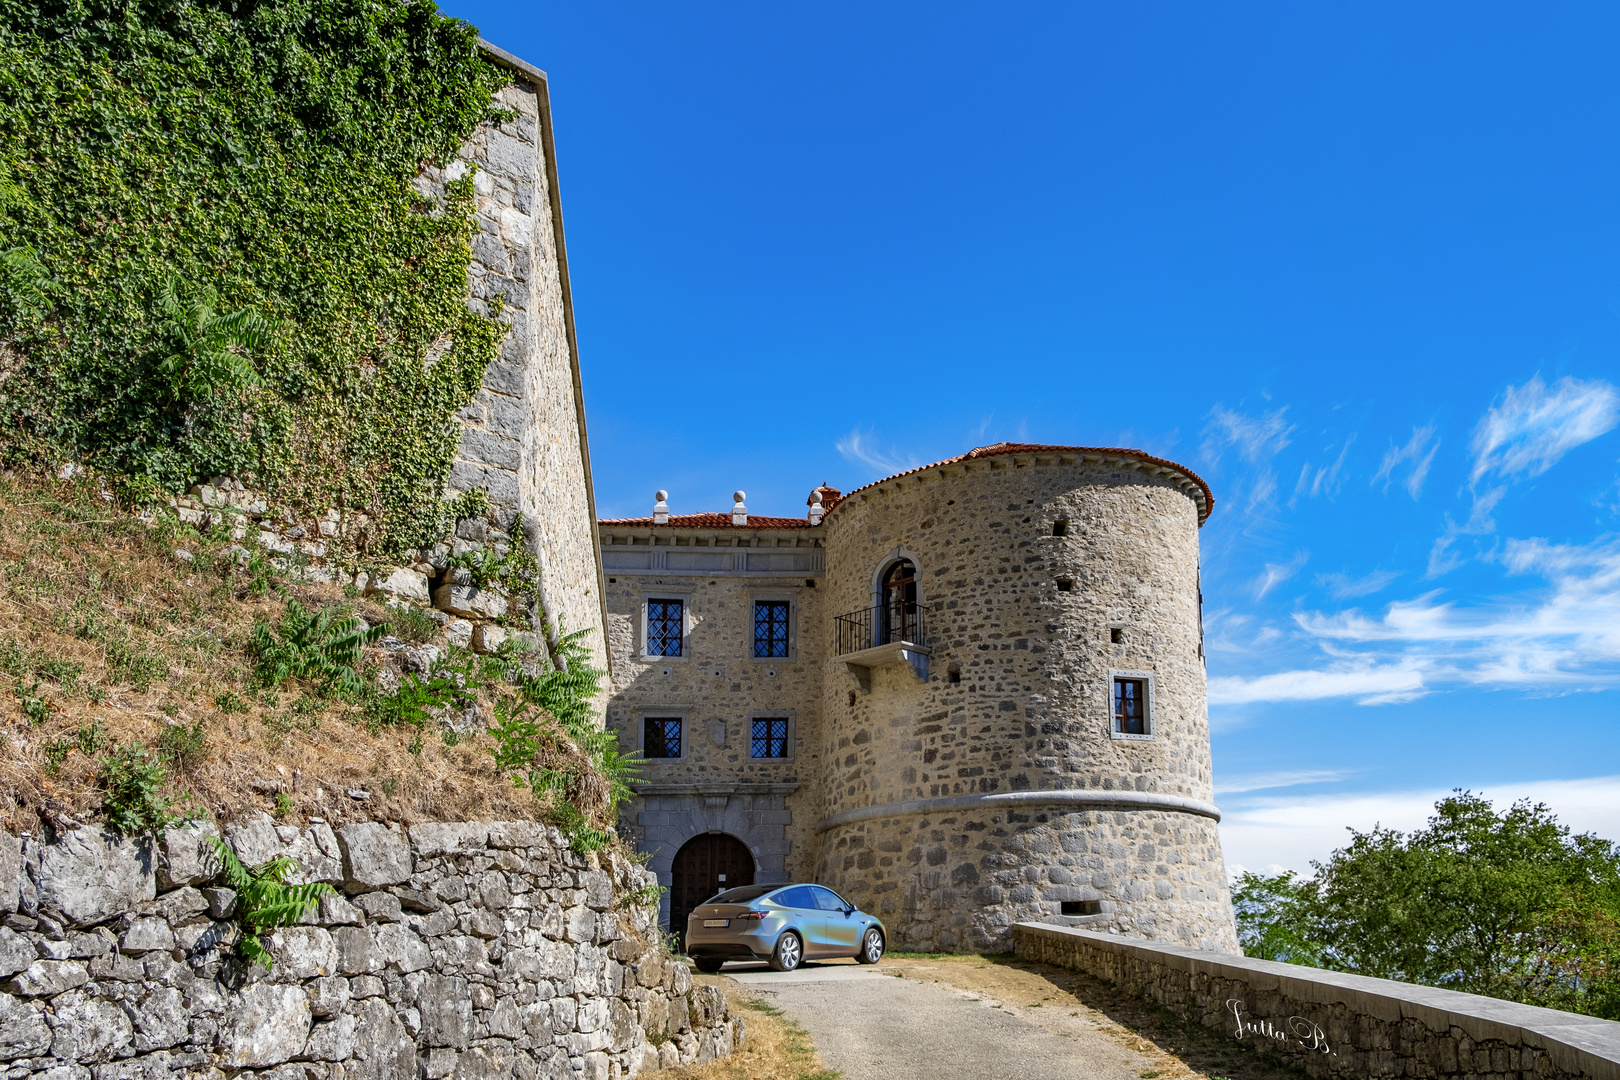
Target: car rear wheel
x=707, y=964
x=789, y=951
x=871, y=947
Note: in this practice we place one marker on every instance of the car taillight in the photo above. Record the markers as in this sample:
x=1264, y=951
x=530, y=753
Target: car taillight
x=751, y=916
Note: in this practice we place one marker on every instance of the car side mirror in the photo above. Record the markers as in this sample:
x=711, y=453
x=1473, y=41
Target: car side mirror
x=848, y=912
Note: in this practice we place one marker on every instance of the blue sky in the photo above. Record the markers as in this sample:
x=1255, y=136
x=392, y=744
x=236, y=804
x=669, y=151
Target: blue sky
x=1358, y=265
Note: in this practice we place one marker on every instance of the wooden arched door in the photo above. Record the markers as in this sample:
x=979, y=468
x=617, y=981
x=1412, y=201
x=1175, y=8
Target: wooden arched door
x=706, y=864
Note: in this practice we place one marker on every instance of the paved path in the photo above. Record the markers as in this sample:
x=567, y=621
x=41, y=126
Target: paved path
x=873, y=1026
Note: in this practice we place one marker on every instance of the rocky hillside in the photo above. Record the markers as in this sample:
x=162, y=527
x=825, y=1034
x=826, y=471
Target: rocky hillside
x=153, y=670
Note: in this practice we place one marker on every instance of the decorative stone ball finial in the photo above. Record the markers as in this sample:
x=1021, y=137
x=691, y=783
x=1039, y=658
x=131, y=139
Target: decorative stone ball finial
x=739, y=512
x=816, y=510
x=661, y=508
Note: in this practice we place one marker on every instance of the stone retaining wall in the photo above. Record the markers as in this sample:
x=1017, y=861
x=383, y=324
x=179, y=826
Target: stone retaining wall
x=482, y=949
x=1332, y=1024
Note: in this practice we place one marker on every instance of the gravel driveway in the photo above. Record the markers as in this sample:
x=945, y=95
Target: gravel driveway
x=871, y=1025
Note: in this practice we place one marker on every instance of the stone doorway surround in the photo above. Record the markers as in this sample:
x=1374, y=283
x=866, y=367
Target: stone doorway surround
x=756, y=814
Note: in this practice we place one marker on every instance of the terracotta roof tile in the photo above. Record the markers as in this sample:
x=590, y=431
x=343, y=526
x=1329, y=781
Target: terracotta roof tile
x=1002, y=449
x=834, y=498
x=714, y=521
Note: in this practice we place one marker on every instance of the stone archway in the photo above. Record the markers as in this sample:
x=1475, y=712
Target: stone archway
x=706, y=864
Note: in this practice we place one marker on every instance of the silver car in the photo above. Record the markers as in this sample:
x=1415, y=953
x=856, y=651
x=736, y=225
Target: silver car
x=783, y=924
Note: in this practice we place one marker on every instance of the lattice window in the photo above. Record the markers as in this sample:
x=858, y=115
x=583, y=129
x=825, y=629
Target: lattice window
x=661, y=736
x=665, y=625
x=770, y=628
x=770, y=737
x=1130, y=706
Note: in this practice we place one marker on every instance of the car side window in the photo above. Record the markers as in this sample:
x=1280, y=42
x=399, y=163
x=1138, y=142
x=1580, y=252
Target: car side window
x=827, y=900
x=800, y=897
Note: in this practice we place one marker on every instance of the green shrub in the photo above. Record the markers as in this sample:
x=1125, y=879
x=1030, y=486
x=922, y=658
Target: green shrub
x=183, y=746
x=412, y=624
x=133, y=779
x=319, y=646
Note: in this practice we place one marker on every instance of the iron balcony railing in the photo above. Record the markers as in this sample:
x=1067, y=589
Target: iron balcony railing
x=881, y=625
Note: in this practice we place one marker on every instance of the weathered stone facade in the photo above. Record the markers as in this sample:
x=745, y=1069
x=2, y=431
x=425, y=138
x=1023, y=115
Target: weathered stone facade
x=1330, y=1024
x=716, y=685
x=478, y=949
x=973, y=778
x=523, y=438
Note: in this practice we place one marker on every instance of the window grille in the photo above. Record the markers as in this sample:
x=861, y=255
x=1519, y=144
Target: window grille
x=770, y=737
x=770, y=628
x=1130, y=706
x=661, y=737
x=665, y=623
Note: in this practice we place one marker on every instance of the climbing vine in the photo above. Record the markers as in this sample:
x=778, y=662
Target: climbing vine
x=171, y=165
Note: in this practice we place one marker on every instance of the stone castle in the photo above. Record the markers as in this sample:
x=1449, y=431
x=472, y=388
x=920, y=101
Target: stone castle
x=964, y=696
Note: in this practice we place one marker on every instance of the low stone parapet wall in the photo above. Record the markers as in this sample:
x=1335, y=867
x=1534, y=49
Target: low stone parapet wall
x=1333, y=1024
x=475, y=949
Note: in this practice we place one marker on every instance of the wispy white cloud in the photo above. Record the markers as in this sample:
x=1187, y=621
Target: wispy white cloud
x=1532, y=426
x=1343, y=586
x=1271, y=781
x=861, y=447
x=1371, y=684
x=1291, y=830
x=1415, y=459
x=1275, y=574
x=1323, y=480
x=1256, y=438
x=1562, y=636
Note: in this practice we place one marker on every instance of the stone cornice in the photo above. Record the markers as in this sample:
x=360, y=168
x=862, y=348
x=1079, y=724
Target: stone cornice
x=1086, y=799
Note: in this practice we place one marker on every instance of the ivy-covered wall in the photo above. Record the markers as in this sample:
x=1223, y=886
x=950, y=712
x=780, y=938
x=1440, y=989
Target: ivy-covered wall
x=213, y=259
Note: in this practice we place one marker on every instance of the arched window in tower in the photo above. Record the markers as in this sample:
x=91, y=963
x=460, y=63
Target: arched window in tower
x=897, y=608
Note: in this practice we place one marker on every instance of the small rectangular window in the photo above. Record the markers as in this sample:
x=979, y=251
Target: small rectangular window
x=1060, y=527
x=665, y=624
x=1130, y=706
x=770, y=628
x=661, y=736
x=770, y=737
x=1116, y=636
x=1081, y=907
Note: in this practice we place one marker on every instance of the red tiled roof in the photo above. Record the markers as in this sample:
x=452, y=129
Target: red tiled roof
x=833, y=498
x=714, y=521
x=1002, y=449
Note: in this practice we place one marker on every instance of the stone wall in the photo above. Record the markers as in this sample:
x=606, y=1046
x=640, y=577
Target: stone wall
x=486, y=950
x=523, y=437
x=1332, y=1024
x=995, y=790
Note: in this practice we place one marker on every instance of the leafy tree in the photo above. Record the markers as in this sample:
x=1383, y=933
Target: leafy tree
x=1507, y=904
x=1273, y=918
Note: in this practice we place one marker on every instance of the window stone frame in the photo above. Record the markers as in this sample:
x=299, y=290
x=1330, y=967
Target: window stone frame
x=776, y=595
x=642, y=714
x=772, y=714
x=686, y=624
x=1152, y=718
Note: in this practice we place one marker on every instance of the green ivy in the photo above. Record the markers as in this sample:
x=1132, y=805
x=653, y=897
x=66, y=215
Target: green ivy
x=173, y=157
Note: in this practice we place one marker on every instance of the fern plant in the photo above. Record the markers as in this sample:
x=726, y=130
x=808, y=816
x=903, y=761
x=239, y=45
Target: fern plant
x=23, y=280
x=585, y=786
x=312, y=645
x=207, y=358
x=264, y=900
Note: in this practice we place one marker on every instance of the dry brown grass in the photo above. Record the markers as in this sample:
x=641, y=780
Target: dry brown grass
x=775, y=1048
x=102, y=624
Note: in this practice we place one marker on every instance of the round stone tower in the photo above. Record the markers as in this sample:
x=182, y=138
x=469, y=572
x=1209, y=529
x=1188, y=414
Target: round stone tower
x=1014, y=723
